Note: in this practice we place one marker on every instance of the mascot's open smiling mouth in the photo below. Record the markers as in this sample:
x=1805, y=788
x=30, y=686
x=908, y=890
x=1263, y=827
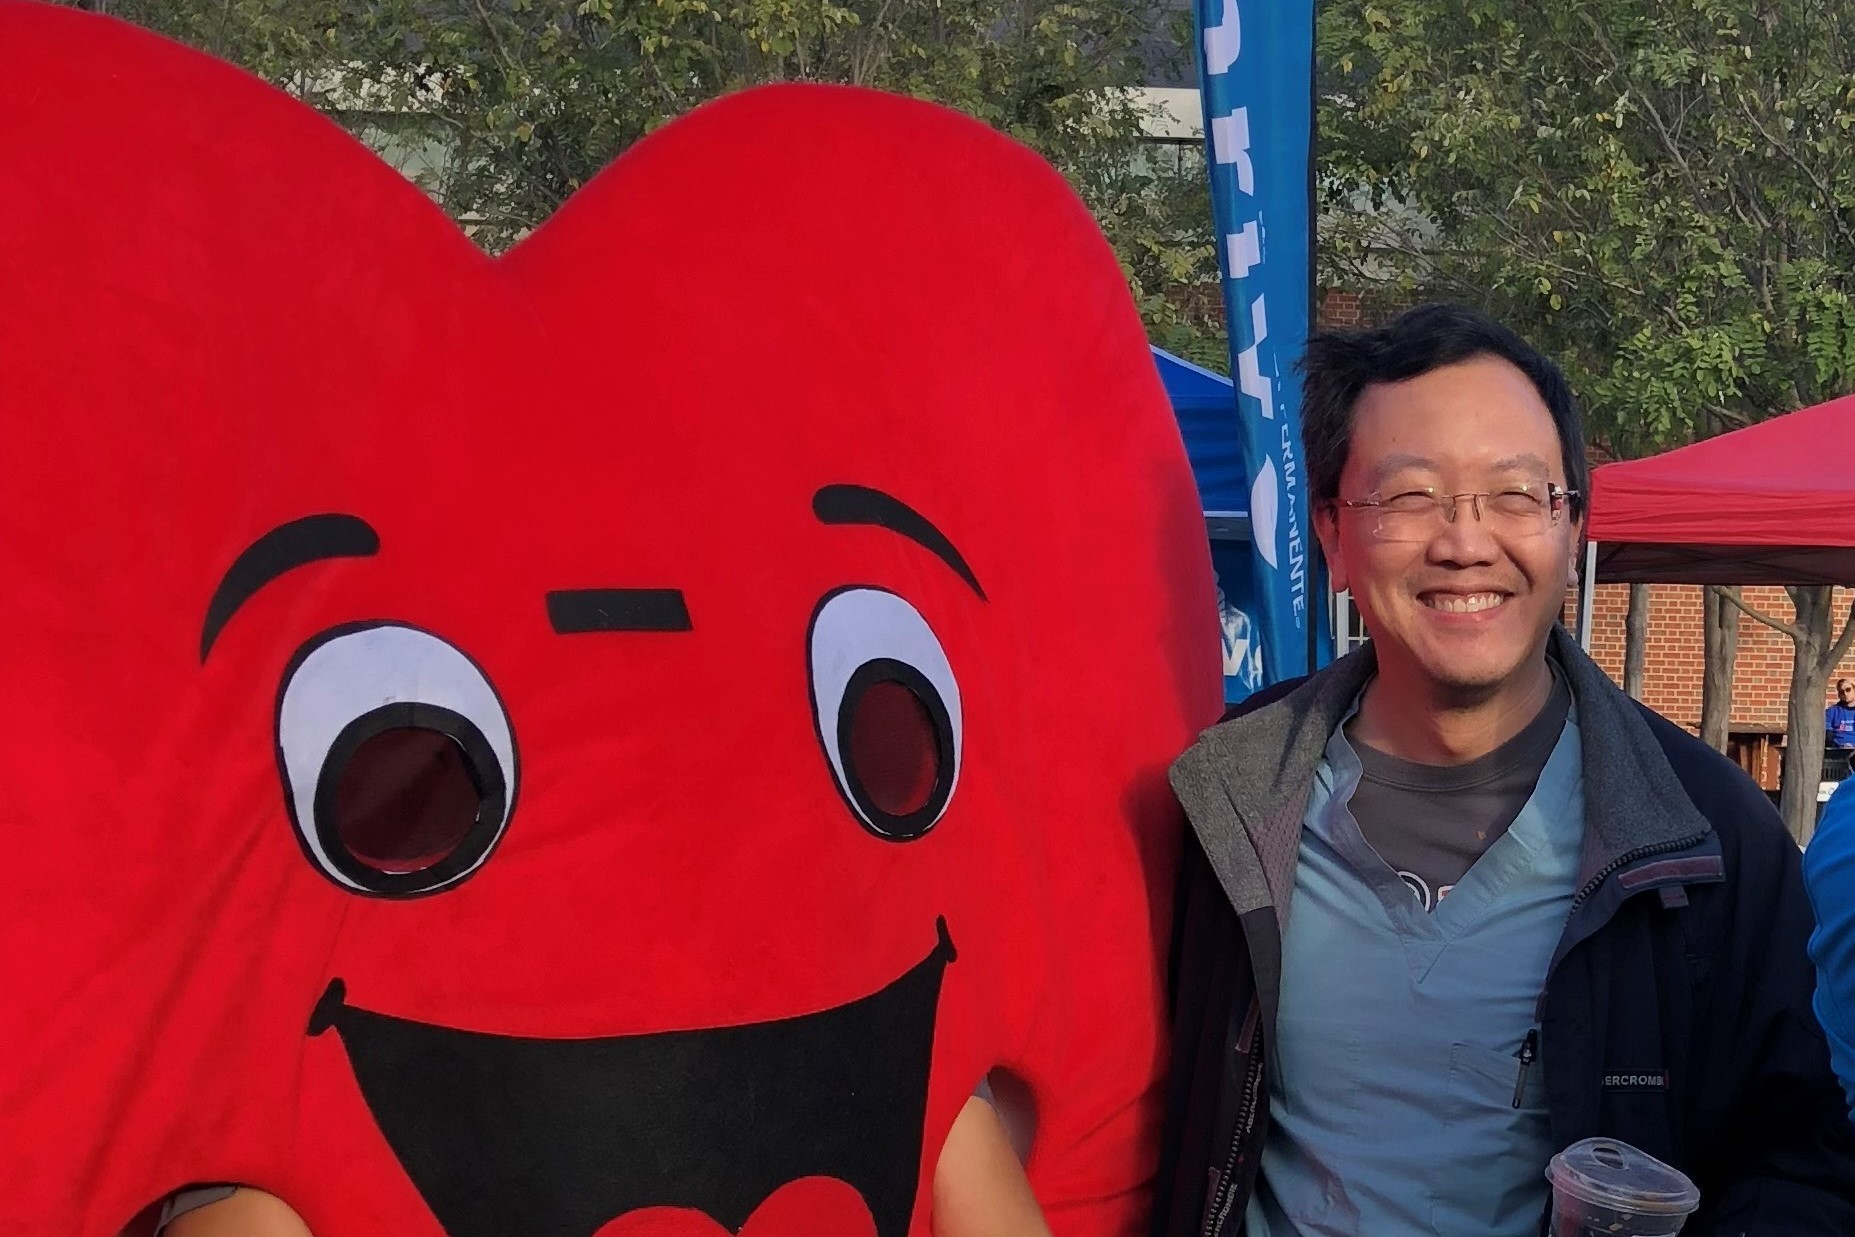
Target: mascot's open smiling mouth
x=507, y=1136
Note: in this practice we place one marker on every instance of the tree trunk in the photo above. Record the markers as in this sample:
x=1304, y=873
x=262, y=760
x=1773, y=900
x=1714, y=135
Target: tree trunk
x=1815, y=657
x=1803, y=744
x=1716, y=687
x=1636, y=640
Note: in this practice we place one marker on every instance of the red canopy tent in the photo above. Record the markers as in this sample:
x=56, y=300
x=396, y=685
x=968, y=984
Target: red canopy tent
x=1770, y=504
x=1773, y=503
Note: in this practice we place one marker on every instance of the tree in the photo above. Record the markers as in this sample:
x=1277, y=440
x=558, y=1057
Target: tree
x=1816, y=655
x=502, y=108
x=1635, y=645
x=1659, y=192
x=1720, y=636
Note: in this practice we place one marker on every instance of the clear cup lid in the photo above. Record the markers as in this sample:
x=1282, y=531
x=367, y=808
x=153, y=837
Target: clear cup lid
x=1614, y=1174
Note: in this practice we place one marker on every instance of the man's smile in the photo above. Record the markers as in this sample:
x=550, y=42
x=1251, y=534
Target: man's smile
x=1463, y=603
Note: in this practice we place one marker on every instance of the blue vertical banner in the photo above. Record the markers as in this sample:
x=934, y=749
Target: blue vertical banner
x=1255, y=76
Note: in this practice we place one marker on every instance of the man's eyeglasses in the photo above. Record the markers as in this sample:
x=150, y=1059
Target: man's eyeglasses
x=1522, y=510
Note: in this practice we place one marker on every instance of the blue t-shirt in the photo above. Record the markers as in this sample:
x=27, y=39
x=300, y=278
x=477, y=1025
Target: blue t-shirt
x=1829, y=875
x=1839, y=721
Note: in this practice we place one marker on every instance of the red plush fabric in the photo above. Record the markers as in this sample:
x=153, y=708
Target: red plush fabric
x=617, y=738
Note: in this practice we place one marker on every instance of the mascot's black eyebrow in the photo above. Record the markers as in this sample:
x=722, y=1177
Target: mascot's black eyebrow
x=298, y=543
x=859, y=504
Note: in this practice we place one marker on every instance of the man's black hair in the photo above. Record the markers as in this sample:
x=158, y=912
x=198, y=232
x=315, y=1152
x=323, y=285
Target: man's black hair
x=1339, y=365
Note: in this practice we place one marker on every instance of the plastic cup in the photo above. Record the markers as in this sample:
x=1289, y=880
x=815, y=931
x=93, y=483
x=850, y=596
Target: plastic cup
x=1605, y=1188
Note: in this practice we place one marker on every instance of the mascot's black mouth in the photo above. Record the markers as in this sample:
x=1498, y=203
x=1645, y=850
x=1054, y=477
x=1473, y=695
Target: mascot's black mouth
x=515, y=1137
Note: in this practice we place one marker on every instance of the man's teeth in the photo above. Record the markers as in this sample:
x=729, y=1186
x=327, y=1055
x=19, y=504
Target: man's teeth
x=1459, y=603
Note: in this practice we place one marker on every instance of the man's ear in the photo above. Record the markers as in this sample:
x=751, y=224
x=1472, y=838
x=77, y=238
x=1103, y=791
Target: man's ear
x=1327, y=529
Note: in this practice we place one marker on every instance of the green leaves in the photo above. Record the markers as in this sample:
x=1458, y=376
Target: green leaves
x=1660, y=192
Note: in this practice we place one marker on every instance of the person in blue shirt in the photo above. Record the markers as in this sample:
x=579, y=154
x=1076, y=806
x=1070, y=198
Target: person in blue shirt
x=1839, y=718
x=1829, y=875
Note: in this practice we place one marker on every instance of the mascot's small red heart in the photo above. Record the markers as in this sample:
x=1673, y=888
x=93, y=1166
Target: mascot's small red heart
x=800, y=1209
x=500, y=746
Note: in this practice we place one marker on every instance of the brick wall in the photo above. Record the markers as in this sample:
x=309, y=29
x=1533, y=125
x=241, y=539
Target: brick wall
x=1341, y=309
x=1674, y=655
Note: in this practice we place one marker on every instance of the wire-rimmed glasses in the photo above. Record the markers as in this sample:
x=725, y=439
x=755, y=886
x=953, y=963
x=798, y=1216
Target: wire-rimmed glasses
x=1524, y=509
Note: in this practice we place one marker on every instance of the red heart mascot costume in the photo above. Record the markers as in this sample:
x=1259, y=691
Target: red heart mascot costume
x=628, y=733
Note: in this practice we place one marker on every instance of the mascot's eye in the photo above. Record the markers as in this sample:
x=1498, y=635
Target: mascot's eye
x=398, y=760
x=888, y=710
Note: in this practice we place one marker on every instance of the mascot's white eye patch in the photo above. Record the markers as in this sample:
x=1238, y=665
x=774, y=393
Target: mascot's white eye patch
x=887, y=708
x=398, y=760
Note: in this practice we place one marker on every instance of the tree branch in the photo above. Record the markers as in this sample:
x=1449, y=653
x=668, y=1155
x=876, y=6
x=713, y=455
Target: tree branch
x=1795, y=632
x=510, y=64
x=1740, y=419
x=1830, y=204
x=872, y=50
x=1647, y=104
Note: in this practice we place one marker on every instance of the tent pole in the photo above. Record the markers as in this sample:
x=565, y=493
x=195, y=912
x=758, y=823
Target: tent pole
x=1587, y=596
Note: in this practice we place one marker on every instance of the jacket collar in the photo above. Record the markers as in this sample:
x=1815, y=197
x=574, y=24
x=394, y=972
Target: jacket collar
x=1245, y=783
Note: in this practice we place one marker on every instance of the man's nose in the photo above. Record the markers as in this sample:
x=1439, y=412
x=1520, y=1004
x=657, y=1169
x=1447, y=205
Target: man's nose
x=1464, y=540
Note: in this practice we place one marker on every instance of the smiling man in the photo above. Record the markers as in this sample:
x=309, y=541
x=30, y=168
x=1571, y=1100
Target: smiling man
x=1456, y=902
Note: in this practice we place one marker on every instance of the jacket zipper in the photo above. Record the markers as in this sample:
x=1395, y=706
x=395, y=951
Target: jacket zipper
x=1529, y=1052
x=1591, y=886
x=1529, y=1047
x=1218, y=1212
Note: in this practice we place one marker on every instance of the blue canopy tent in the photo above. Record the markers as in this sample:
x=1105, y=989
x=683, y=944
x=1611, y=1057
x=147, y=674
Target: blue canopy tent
x=1206, y=407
